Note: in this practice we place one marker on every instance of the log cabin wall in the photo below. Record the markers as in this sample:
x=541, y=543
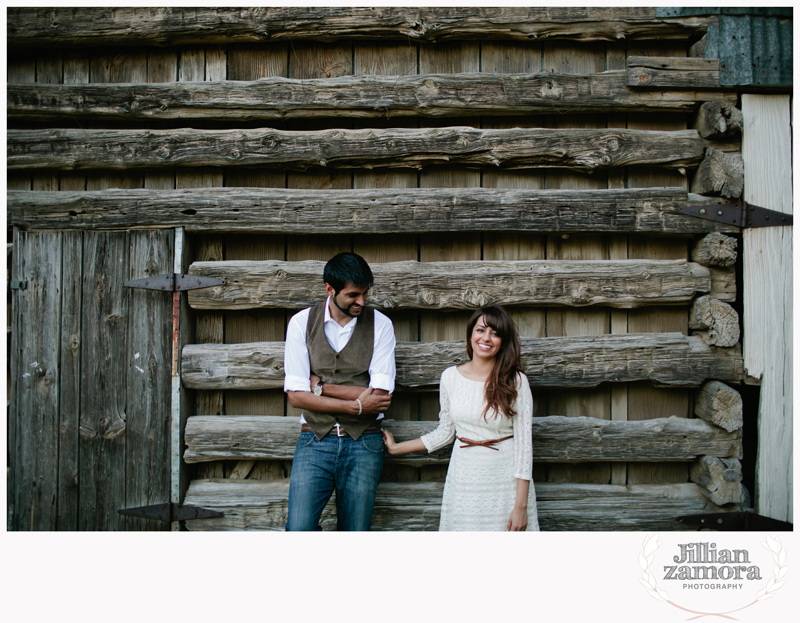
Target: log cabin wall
x=475, y=184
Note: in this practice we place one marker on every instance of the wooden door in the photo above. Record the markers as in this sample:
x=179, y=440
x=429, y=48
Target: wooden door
x=89, y=422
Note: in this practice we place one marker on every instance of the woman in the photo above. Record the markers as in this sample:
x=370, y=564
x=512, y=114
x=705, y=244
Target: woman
x=486, y=404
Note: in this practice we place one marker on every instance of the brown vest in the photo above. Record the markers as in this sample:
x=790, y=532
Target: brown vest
x=348, y=367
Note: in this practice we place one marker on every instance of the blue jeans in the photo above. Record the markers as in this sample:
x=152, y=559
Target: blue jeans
x=351, y=467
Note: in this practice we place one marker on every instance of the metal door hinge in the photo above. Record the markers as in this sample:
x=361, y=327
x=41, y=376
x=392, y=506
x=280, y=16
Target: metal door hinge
x=736, y=521
x=18, y=285
x=170, y=511
x=174, y=282
x=740, y=214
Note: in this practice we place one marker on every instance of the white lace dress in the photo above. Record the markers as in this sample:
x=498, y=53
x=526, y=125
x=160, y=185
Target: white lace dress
x=481, y=485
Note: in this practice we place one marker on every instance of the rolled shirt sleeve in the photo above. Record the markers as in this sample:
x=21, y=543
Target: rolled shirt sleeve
x=382, y=368
x=296, y=364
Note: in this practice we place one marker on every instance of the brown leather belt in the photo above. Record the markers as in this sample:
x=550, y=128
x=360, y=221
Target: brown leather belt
x=375, y=427
x=486, y=443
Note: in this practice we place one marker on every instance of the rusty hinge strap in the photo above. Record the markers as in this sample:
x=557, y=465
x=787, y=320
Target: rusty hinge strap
x=741, y=214
x=735, y=521
x=170, y=511
x=174, y=282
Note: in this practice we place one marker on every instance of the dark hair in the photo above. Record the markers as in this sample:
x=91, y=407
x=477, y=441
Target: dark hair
x=501, y=387
x=344, y=268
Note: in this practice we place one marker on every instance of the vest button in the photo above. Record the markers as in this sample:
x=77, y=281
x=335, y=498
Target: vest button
x=337, y=356
x=335, y=371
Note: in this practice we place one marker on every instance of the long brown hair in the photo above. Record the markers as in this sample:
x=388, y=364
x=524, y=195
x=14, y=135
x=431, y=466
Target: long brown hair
x=501, y=387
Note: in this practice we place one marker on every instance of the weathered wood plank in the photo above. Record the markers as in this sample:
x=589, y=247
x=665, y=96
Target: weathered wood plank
x=656, y=72
x=258, y=505
x=425, y=95
x=513, y=148
x=34, y=27
x=35, y=414
x=149, y=380
x=459, y=285
x=555, y=439
x=105, y=365
x=768, y=297
x=669, y=359
x=365, y=211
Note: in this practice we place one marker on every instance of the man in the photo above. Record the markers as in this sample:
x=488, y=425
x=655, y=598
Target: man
x=339, y=366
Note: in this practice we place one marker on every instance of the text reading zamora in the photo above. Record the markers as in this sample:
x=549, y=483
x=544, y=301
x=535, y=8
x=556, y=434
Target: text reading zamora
x=702, y=561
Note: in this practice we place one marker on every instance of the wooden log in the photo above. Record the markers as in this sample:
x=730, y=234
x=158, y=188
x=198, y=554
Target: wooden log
x=556, y=439
x=668, y=359
x=513, y=148
x=722, y=478
x=261, y=505
x=718, y=120
x=296, y=211
x=276, y=98
x=719, y=174
x=720, y=404
x=658, y=72
x=459, y=285
x=716, y=322
x=36, y=27
x=715, y=249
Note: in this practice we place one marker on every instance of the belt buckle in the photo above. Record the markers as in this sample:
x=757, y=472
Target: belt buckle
x=340, y=432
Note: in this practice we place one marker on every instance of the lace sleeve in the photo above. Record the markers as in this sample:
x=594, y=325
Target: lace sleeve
x=523, y=428
x=446, y=431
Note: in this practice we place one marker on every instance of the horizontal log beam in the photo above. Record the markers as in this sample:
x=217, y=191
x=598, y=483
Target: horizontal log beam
x=655, y=72
x=556, y=439
x=386, y=210
x=459, y=285
x=515, y=148
x=262, y=505
x=669, y=359
x=46, y=27
x=429, y=95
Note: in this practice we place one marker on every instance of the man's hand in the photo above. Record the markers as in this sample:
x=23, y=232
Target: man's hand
x=372, y=403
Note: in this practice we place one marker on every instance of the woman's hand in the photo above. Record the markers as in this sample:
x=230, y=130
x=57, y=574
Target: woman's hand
x=388, y=441
x=518, y=520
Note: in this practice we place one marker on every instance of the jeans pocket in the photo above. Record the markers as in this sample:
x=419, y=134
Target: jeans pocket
x=373, y=442
x=306, y=439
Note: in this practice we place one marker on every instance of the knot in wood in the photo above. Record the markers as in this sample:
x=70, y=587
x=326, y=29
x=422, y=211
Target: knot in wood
x=730, y=475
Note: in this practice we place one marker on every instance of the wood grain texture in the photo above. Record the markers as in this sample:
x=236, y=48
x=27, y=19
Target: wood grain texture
x=669, y=359
x=555, y=439
x=716, y=322
x=722, y=478
x=715, y=249
x=718, y=120
x=580, y=149
x=720, y=404
x=365, y=211
x=459, y=285
x=719, y=174
x=31, y=27
x=35, y=414
x=672, y=73
x=768, y=330
x=255, y=505
x=426, y=95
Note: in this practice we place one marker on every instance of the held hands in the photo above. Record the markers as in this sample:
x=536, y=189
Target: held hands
x=372, y=403
x=518, y=520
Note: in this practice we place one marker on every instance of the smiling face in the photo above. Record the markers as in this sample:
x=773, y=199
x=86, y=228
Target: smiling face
x=484, y=341
x=348, y=303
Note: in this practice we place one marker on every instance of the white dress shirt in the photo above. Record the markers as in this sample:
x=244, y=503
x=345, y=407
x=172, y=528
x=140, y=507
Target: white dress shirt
x=297, y=365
